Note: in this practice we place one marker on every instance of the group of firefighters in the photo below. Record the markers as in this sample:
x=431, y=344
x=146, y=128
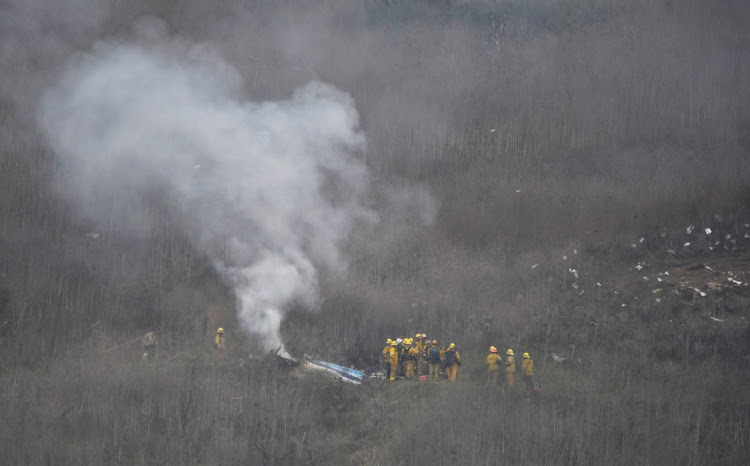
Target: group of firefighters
x=411, y=358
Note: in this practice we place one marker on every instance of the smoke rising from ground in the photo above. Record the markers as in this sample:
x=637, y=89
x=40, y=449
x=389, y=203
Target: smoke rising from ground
x=268, y=189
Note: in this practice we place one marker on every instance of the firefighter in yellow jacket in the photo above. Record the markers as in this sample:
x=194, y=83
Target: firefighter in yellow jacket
x=220, y=342
x=452, y=361
x=421, y=346
x=493, y=366
x=528, y=371
x=393, y=358
x=410, y=356
x=385, y=358
x=510, y=367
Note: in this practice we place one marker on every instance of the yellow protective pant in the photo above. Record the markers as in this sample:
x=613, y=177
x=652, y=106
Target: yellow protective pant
x=492, y=377
x=509, y=376
x=452, y=371
x=394, y=369
x=434, y=371
x=409, y=369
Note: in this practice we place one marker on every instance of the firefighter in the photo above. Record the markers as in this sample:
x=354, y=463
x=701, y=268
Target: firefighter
x=434, y=360
x=393, y=358
x=385, y=358
x=150, y=345
x=528, y=371
x=422, y=346
x=410, y=358
x=400, y=351
x=493, y=366
x=220, y=342
x=452, y=361
x=510, y=367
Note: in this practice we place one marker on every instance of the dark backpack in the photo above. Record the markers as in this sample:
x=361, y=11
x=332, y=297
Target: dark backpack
x=434, y=355
x=450, y=357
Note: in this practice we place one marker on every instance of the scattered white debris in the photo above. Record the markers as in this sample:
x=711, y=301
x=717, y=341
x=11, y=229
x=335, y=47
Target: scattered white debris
x=617, y=292
x=197, y=166
x=565, y=258
x=575, y=285
x=671, y=251
x=747, y=225
x=686, y=245
x=645, y=278
x=658, y=279
x=93, y=235
x=717, y=243
x=666, y=273
x=708, y=231
x=690, y=229
x=518, y=190
x=492, y=130
x=747, y=235
x=716, y=319
x=535, y=266
x=658, y=300
x=710, y=248
x=575, y=251
x=574, y=272
x=698, y=291
x=639, y=266
x=736, y=282
x=598, y=284
x=642, y=240
x=710, y=269
x=624, y=305
x=581, y=292
x=728, y=236
x=557, y=358
x=632, y=246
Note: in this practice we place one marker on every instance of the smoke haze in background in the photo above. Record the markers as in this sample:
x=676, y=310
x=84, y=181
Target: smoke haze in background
x=268, y=189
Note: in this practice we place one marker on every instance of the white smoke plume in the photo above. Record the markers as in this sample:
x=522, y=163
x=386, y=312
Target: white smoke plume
x=268, y=189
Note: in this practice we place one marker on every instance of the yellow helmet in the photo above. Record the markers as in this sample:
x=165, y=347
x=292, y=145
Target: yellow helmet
x=221, y=330
x=418, y=335
x=388, y=341
x=393, y=343
x=510, y=352
x=452, y=345
x=526, y=355
x=493, y=349
x=407, y=341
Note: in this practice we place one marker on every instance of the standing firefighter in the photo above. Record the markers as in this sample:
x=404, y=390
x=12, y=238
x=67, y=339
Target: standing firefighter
x=528, y=371
x=399, y=353
x=410, y=357
x=393, y=360
x=434, y=360
x=493, y=366
x=452, y=361
x=150, y=345
x=510, y=367
x=385, y=358
x=220, y=343
x=420, y=346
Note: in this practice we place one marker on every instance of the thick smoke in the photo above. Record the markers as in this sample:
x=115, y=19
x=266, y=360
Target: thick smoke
x=268, y=189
